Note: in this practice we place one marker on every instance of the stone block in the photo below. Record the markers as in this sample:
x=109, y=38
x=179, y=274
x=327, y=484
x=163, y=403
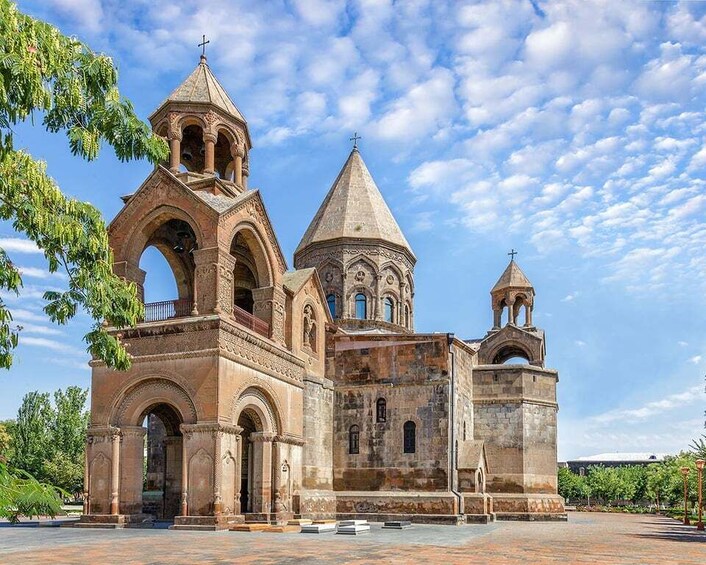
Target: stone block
x=397, y=525
x=354, y=529
x=318, y=528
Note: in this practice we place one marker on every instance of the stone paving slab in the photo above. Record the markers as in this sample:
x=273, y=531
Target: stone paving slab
x=585, y=538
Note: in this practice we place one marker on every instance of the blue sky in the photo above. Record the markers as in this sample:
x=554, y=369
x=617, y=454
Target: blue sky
x=571, y=130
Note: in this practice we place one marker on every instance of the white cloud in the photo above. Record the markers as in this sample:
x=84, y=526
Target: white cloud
x=19, y=245
x=37, y=273
x=696, y=359
x=571, y=296
x=52, y=344
x=651, y=409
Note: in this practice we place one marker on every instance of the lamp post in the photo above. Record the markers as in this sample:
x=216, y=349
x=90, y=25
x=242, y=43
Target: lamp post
x=700, y=471
x=685, y=474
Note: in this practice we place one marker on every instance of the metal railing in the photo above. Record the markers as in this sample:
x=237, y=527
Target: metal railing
x=245, y=318
x=167, y=309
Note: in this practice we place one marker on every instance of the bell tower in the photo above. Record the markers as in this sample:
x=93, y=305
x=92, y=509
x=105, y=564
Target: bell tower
x=513, y=292
x=216, y=382
x=207, y=133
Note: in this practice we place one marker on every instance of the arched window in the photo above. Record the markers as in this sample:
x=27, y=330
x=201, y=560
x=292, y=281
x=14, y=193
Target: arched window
x=410, y=437
x=381, y=410
x=331, y=301
x=361, y=303
x=353, y=440
x=389, y=310
x=309, y=328
x=406, y=316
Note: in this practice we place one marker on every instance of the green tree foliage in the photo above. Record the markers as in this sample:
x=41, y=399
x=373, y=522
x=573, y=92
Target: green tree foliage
x=572, y=487
x=43, y=72
x=49, y=441
x=6, y=440
x=698, y=447
x=23, y=495
x=32, y=440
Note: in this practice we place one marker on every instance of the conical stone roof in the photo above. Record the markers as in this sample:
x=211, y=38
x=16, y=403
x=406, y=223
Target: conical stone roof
x=354, y=208
x=512, y=277
x=202, y=87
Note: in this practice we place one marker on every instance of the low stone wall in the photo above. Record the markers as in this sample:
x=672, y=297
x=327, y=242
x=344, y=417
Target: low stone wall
x=398, y=503
x=529, y=507
x=317, y=504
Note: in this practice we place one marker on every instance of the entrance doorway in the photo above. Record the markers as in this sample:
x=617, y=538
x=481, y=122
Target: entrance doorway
x=162, y=463
x=246, y=469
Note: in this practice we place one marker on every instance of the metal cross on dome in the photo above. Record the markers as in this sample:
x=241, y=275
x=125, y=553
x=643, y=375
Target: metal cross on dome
x=355, y=139
x=203, y=45
x=512, y=254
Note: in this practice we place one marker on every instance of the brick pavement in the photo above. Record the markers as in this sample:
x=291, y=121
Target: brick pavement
x=586, y=538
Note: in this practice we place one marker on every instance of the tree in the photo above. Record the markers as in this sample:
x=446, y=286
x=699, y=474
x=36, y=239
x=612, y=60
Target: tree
x=698, y=447
x=43, y=72
x=5, y=442
x=70, y=422
x=32, y=441
x=572, y=487
x=23, y=495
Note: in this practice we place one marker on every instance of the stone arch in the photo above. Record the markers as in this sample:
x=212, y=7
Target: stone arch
x=395, y=268
x=260, y=406
x=140, y=234
x=508, y=350
x=362, y=259
x=369, y=301
x=136, y=400
x=261, y=253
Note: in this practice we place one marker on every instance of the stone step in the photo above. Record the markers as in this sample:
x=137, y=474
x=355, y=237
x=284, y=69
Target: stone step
x=283, y=529
x=397, y=525
x=299, y=522
x=250, y=527
x=318, y=528
x=354, y=530
x=353, y=523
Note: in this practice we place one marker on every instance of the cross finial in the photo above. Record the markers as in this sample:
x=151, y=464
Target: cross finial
x=355, y=139
x=203, y=46
x=512, y=254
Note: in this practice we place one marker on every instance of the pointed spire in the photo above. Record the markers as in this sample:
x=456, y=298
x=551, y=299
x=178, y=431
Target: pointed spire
x=354, y=208
x=202, y=87
x=512, y=277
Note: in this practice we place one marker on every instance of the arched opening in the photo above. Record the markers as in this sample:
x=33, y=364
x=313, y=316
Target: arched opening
x=162, y=463
x=222, y=157
x=511, y=353
x=353, y=440
x=331, y=301
x=168, y=262
x=381, y=410
x=361, y=306
x=247, y=460
x=516, y=360
x=389, y=310
x=406, y=316
x=248, y=273
x=410, y=437
x=193, y=149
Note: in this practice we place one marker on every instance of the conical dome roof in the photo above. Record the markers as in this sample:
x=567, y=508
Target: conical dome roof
x=512, y=277
x=202, y=87
x=354, y=208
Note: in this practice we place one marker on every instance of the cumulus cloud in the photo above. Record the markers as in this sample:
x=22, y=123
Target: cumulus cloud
x=19, y=245
x=651, y=409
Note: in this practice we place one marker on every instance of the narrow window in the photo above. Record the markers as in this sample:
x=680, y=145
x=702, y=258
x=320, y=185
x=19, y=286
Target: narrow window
x=406, y=316
x=381, y=410
x=360, y=306
x=353, y=440
x=410, y=439
x=331, y=300
x=389, y=310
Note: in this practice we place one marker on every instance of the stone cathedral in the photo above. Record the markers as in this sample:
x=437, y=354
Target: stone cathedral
x=262, y=393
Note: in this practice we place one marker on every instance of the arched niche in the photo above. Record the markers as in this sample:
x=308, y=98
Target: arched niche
x=510, y=351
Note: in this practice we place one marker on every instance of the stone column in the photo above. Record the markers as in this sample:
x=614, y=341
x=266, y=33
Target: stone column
x=132, y=454
x=269, y=306
x=173, y=456
x=497, y=318
x=213, y=280
x=115, y=472
x=238, y=474
x=209, y=140
x=510, y=312
x=246, y=171
x=131, y=272
x=528, y=315
x=262, y=472
x=378, y=312
x=345, y=306
x=238, y=152
x=174, y=154
x=184, y=510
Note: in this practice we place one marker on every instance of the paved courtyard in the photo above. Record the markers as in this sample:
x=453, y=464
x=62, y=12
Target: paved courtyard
x=586, y=538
